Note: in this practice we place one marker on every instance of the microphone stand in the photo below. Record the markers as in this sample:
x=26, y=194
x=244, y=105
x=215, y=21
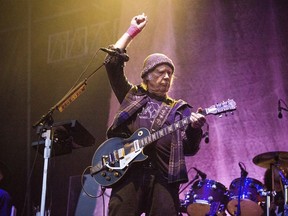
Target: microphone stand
x=284, y=181
x=285, y=200
x=46, y=122
x=242, y=180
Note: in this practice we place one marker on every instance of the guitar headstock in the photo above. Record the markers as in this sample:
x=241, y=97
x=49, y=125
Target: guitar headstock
x=220, y=108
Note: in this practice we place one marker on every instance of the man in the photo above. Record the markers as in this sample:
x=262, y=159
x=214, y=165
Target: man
x=5, y=198
x=151, y=186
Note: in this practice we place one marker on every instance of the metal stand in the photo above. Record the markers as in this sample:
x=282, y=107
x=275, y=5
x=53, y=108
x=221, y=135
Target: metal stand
x=47, y=119
x=244, y=174
x=47, y=154
x=284, y=181
x=268, y=195
x=238, y=211
x=268, y=204
x=285, y=200
x=69, y=134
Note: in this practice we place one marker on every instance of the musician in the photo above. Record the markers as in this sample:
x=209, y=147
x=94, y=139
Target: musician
x=151, y=186
x=277, y=202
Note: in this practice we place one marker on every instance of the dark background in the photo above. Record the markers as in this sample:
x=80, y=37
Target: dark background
x=36, y=71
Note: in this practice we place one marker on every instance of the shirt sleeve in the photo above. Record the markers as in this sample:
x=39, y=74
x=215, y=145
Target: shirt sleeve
x=115, y=70
x=192, y=140
x=191, y=137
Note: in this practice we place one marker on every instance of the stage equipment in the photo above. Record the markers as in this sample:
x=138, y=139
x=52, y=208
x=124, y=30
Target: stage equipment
x=277, y=160
x=68, y=135
x=249, y=191
x=265, y=160
x=280, y=108
x=206, y=197
x=45, y=124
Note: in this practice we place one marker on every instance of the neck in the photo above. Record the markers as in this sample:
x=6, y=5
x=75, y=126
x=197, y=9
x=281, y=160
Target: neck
x=156, y=95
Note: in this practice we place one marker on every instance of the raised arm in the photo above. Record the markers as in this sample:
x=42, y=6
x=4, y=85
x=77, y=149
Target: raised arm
x=137, y=24
x=115, y=65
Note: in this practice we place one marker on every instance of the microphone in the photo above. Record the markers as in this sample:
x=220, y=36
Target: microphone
x=206, y=137
x=206, y=134
x=279, y=110
x=243, y=171
x=111, y=52
x=200, y=173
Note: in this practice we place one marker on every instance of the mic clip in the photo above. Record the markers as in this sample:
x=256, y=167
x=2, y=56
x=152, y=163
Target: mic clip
x=116, y=52
x=281, y=108
x=244, y=173
x=200, y=173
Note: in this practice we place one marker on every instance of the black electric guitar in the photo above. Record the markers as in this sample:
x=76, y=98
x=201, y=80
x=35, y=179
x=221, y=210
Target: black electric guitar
x=113, y=157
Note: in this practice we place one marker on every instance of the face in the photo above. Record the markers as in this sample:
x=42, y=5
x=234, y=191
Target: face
x=159, y=80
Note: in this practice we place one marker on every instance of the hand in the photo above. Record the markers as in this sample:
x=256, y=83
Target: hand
x=140, y=21
x=197, y=119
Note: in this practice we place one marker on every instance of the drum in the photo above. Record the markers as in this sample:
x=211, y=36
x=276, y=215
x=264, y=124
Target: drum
x=250, y=197
x=206, y=196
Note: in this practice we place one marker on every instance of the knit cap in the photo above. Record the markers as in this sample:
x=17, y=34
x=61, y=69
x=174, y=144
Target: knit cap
x=154, y=60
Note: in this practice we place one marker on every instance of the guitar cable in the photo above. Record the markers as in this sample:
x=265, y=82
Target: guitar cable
x=83, y=188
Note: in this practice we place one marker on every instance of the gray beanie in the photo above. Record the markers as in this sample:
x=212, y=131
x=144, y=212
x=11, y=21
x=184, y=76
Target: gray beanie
x=154, y=60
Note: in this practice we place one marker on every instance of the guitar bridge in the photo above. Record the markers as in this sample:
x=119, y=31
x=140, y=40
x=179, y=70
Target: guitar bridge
x=105, y=159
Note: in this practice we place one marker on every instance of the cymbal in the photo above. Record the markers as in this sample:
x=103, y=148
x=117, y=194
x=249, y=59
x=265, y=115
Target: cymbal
x=267, y=159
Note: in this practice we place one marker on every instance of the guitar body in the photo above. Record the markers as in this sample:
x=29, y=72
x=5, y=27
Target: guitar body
x=109, y=175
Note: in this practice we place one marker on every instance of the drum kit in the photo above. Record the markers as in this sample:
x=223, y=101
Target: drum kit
x=245, y=196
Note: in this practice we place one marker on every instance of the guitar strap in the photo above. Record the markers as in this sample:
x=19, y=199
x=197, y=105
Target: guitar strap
x=161, y=117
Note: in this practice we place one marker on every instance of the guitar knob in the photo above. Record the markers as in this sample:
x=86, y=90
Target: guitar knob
x=116, y=174
x=108, y=178
x=103, y=174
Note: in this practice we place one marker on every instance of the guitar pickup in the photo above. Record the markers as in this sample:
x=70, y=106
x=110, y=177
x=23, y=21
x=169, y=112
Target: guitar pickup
x=112, y=158
x=121, y=153
x=136, y=145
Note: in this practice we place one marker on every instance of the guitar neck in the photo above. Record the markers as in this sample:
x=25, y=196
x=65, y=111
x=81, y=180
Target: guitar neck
x=216, y=109
x=164, y=131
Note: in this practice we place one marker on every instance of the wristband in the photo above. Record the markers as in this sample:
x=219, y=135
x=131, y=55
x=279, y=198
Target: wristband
x=133, y=31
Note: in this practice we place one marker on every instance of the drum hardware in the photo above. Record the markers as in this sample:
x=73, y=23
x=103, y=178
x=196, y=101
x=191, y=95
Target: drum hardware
x=200, y=173
x=285, y=182
x=286, y=200
x=276, y=161
x=265, y=160
x=244, y=174
x=268, y=195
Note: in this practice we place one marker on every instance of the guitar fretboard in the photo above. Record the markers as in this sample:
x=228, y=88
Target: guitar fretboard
x=163, y=132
